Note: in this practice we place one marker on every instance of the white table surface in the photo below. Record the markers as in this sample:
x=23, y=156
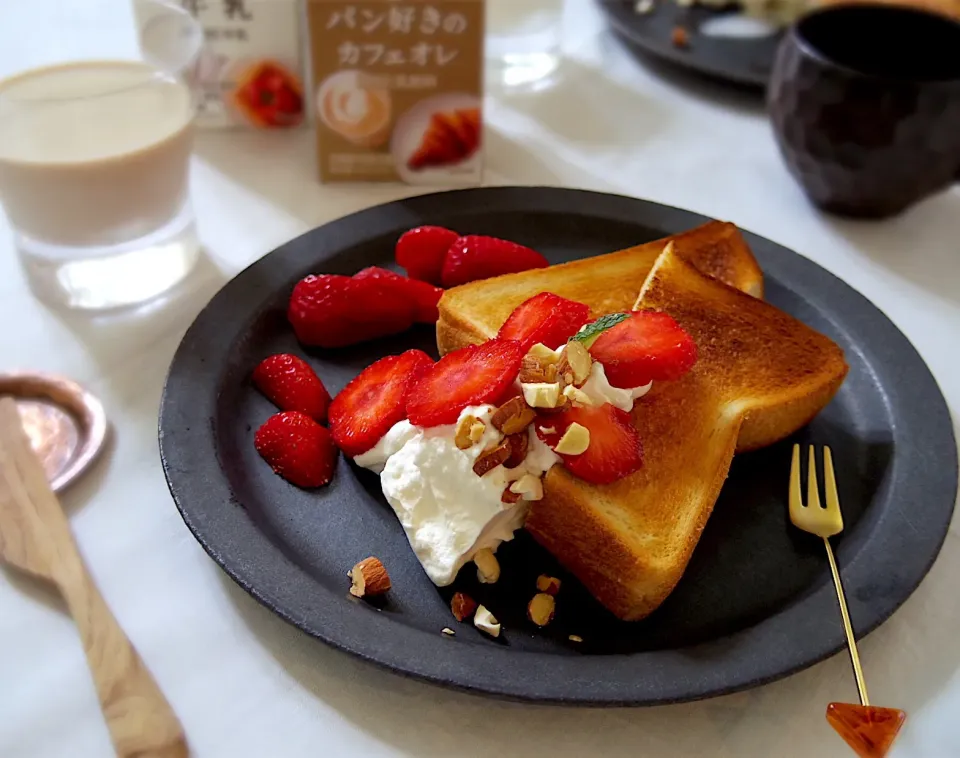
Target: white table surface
x=246, y=684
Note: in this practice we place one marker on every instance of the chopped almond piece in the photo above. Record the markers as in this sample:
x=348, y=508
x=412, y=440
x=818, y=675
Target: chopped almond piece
x=680, y=37
x=519, y=443
x=575, y=364
x=447, y=631
x=542, y=394
x=548, y=584
x=463, y=437
x=513, y=416
x=575, y=638
x=509, y=496
x=576, y=395
x=477, y=430
x=533, y=370
x=546, y=355
x=488, y=567
x=541, y=608
x=492, y=457
x=529, y=487
x=369, y=578
x=574, y=441
x=462, y=606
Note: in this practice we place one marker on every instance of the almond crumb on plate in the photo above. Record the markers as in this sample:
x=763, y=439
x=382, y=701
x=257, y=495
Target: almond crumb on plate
x=680, y=37
x=462, y=606
x=486, y=622
x=548, y=584
x=369, y=578
x=447, y=631
x=575, y=638
x=488, y=567
x=541, y=608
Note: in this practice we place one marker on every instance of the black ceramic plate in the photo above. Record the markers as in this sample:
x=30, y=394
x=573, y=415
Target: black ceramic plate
x=745, y=61
x=756, y=602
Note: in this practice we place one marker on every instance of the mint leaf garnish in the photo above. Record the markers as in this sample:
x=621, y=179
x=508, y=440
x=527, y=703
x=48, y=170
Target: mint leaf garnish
x=589, y=333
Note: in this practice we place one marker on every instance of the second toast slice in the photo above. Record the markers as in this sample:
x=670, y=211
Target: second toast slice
x=760, y=375
x=607, y=283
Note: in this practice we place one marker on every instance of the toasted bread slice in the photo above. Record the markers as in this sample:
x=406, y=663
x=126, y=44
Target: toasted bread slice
x=760, y=375
x=607, y=283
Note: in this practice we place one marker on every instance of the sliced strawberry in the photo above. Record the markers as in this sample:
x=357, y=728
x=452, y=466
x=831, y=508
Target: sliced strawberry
x=477, y=257
x=423, y=294
x=332, y=311
x=615, y=450
x=374, y=401
x=647, y=346
x=292, y=385
x=545, y=318
x=421, y=252
x=470, y=376
x=297, y=448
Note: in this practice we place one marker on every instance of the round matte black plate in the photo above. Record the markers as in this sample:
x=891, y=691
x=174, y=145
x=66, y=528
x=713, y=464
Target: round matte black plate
x=756, y=602
x=745, y=61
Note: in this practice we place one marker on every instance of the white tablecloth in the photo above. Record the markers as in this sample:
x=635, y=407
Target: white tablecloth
x=246, y=684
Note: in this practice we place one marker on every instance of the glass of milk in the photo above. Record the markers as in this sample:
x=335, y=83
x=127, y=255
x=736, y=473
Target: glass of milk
x=523, y=42
x=94, y=157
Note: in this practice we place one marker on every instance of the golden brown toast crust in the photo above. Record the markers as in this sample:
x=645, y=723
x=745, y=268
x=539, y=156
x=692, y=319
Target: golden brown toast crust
x=607, y=283
x=760, y=375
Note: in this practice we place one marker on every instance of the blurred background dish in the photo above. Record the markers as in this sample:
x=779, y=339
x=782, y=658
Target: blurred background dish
x=731, y=41
x=681, y=35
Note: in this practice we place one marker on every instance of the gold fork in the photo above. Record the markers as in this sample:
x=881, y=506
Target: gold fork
x=869, y=730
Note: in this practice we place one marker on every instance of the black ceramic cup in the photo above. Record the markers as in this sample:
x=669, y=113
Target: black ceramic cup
x=865, y=103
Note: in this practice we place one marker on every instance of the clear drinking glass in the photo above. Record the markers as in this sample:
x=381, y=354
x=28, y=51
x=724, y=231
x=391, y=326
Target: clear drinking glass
x=523, y=42
x=94, y=158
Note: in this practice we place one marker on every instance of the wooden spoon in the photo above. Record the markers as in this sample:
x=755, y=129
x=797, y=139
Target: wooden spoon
x=35, y=537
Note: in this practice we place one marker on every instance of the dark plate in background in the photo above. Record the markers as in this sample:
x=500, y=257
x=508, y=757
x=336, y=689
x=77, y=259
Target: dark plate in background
x=744, y=61
x=756, y=602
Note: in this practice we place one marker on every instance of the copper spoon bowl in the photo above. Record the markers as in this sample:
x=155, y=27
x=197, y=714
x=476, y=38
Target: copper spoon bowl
x=66, y=424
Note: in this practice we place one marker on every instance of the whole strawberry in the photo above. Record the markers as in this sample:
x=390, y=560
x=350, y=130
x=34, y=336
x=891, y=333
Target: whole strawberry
x=290, y=383
x=297, y=448
x=328, y=310
x=478, y=257
x=421, y=252
x=424, y=296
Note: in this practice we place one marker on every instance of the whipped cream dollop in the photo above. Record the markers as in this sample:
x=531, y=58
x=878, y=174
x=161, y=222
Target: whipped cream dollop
x=448, y=512
x=376, y=457
x=600, y=391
